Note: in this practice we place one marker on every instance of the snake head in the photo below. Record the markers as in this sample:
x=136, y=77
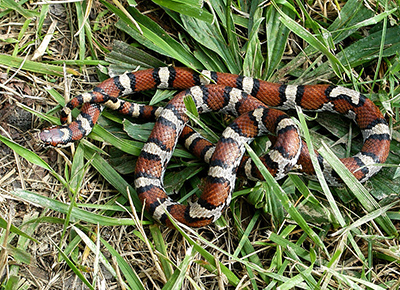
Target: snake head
x=57, y=136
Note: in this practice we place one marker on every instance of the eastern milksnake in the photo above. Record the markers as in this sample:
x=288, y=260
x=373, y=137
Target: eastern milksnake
x=255, y=119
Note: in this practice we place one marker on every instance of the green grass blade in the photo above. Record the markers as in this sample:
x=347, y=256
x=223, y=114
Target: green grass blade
x=304, y=34
x=131, y=277
x=14, y=229
x=211, y=37
x=207, y=133
x=318, y=170
x=362, y=52
x=139, y=132
x=76, y=213
x=245, y=246
x=162, y=95
x=372, y=20
x=75, y=181
x=130, y=57
x=74, y=268
x=353, y=282
x=296, y=280
x=78, y=169
x=282, y=196
x=115, y=179
x=130, y=147
x=94, y=248
x=161, y=247
x=280, y=33
x=211, y=262
x=367, y=218
x=283, y=242
x=352, y=12
x=361, y=193
x=33, y=66
x=16, y=6
x=153, y=36
x=187, y=9
x=253, y=60
x=31, y=157
x=20, y=255
x=176, y=281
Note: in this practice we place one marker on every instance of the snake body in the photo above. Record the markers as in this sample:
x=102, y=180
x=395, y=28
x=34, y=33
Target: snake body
x=231, y=94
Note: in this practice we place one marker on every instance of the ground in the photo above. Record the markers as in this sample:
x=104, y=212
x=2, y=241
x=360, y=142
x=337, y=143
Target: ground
x=40, y=265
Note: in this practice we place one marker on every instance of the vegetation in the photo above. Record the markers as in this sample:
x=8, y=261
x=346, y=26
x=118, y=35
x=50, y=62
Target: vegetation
x=70, y=218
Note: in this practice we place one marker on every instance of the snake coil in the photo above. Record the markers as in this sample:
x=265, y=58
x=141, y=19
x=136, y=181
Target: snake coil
x=240, y=96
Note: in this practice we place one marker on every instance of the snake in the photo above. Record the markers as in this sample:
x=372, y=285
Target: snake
x=251, y=101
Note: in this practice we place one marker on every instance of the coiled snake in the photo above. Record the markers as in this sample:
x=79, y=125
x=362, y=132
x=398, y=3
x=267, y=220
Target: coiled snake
x=240, y=96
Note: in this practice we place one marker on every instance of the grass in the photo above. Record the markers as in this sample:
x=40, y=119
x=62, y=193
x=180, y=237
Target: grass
x=70, y=218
